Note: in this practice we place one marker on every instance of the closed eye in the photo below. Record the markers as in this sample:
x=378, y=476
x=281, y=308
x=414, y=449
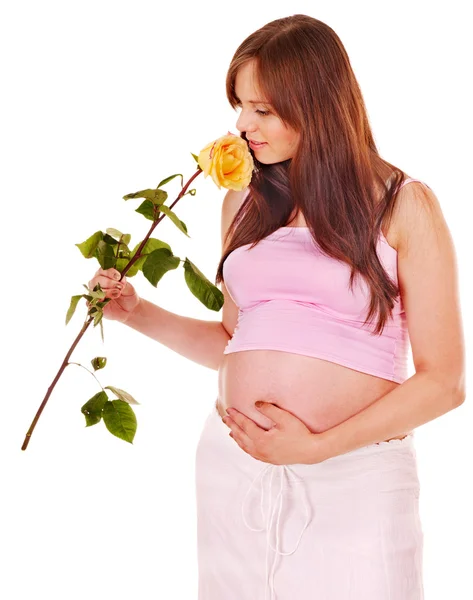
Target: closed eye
x=263, y=113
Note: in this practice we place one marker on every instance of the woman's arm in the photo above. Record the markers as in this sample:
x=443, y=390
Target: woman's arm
x=202, y=342
x=428, y=280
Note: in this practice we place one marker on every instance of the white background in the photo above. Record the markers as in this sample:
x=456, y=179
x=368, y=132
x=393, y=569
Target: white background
x=100, y=99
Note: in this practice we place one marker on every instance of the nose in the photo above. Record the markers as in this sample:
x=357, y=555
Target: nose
x=245, y=123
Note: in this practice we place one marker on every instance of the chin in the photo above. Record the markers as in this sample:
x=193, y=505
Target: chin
x=268, y=160
x=273, y=161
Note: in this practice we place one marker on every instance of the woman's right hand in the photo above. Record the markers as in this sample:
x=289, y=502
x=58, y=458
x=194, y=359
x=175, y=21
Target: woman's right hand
x=124, y=298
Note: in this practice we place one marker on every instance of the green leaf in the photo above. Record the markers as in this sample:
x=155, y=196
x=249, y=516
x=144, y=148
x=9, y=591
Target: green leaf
x=121, y=263
x=124, y=252
x=98, y=317
x=192, y=192
x=108, y=239
x=125, y=396
x=168, y=179
x=151, y=245
x=161, y=197
x=92, y=409
x=105, y=254
x=96, y=294
x=114, y=233
x=175, y=219
x=98, y=362
x=201, y=287
x=196, y=158
x=72, y=307
x=120, y=419
x=150, y=194
x=148, y=210
x=88, y=247
x=117, y=236
x=156, y=196
x=158, y=263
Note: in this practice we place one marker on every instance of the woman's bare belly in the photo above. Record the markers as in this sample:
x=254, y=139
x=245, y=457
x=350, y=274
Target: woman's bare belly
x=320, y=393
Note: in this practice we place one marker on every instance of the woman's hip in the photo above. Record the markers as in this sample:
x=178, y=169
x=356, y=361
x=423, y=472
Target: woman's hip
x=378, y=468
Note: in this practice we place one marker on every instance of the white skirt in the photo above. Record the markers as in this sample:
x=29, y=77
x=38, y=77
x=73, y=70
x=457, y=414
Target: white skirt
x=347, y=528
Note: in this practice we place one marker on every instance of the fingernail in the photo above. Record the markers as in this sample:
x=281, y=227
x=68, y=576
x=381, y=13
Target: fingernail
x=117, y=275
x=119, y=286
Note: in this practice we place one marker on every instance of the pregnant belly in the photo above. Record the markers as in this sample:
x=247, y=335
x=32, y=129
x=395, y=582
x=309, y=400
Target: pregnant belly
x=320, y=393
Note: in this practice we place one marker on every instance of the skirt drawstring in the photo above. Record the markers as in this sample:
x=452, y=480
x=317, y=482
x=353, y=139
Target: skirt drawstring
x=285, y=471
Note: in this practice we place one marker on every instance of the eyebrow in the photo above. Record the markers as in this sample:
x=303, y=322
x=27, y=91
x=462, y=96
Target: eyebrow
x=254, y=101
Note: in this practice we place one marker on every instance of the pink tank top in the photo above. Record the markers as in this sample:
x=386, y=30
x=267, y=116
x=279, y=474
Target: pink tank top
x=293, y=298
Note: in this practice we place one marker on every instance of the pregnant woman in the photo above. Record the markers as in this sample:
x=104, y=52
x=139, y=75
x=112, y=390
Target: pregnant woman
x=333, y=263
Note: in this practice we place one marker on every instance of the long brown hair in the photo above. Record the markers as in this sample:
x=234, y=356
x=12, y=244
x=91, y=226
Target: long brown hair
x=303, y=69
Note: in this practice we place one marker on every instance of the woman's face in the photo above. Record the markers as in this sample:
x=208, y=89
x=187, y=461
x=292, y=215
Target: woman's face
x=259, y=122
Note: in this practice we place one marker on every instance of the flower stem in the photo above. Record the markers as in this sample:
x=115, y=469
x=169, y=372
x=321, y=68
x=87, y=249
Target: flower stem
x=148, y=235
x=56, y=379
x=65, y=362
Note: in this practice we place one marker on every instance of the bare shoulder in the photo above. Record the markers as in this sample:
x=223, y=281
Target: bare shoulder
x=232, y=201
x=417, y=216
x=231, y=204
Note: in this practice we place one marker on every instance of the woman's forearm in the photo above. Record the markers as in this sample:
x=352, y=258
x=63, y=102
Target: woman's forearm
x=201, y=341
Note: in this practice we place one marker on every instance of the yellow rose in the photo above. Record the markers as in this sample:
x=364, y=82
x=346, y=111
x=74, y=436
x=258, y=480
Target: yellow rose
x=228, y=161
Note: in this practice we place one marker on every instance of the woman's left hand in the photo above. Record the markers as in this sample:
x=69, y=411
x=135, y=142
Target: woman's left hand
x=288, y=442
